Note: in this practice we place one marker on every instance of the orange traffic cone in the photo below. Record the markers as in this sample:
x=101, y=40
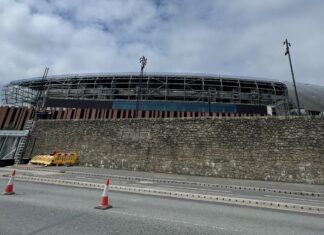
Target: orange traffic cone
x=104, y=200
x=10, y=185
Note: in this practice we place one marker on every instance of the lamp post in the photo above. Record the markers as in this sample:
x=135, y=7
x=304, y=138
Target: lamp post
x=287, y=44
x=138, y=90
x=209, y=110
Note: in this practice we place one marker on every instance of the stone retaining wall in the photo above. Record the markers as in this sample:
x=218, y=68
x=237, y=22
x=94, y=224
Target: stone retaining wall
x=277, y=149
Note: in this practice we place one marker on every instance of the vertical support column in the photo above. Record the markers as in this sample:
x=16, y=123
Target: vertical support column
x=110, y=114
x=78, y=114
x=93, y=114
x=139, y=114
x=69, y=113
x=85, y=114
x=21, y=119
x=14, y=123
x=29, y=113
x=8, y=118
x=127, y=114
x=65, y=113
x=147, y=114
x=122, y=114
x=3, y=113
x=114, y=114
x=98, y=113
x=102, y=113
x=18, y=117
x=59, y=113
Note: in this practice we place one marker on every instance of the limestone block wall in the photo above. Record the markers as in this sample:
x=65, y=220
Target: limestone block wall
x=276, y=149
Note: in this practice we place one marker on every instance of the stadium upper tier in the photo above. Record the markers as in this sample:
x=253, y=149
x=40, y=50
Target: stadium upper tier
x=147, y=87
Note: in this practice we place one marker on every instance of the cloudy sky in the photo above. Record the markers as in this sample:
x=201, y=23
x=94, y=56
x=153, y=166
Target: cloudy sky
x=234, y=37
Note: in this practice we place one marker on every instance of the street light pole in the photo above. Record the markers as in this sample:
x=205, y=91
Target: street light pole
x=209, y=110
x=138, y=90
x=292, y=72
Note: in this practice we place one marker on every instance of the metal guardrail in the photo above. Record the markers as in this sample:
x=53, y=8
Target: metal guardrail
x=14, y=133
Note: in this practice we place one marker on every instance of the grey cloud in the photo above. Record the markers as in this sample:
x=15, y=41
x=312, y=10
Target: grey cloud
x=241, y=37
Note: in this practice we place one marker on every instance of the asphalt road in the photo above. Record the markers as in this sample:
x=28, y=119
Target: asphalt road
x=152, y=181
x=49, y=209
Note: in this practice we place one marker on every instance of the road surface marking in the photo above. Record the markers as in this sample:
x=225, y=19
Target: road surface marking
x=296, y=198
x=200, y=189
x=146, y=182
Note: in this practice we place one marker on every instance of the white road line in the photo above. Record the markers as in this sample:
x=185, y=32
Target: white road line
x=296, y=198
x=200, y=189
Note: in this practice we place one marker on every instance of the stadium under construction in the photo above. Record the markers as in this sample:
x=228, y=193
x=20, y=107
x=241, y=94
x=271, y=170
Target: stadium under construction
x=149, y=95
x=134, y=95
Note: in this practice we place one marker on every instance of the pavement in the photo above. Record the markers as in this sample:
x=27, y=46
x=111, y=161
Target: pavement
x=51, y=209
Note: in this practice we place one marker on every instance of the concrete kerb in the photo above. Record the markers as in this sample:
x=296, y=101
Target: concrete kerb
x=222, y=186
x=180, y=195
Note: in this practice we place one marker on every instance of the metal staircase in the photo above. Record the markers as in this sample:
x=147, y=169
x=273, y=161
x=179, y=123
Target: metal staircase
x=22, y=142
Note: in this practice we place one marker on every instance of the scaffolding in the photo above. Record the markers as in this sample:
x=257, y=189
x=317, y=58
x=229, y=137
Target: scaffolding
x=150, y=87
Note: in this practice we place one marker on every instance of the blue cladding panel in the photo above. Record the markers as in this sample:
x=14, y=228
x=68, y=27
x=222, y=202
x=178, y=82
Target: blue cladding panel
x=174, y=106
x=124, y=105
